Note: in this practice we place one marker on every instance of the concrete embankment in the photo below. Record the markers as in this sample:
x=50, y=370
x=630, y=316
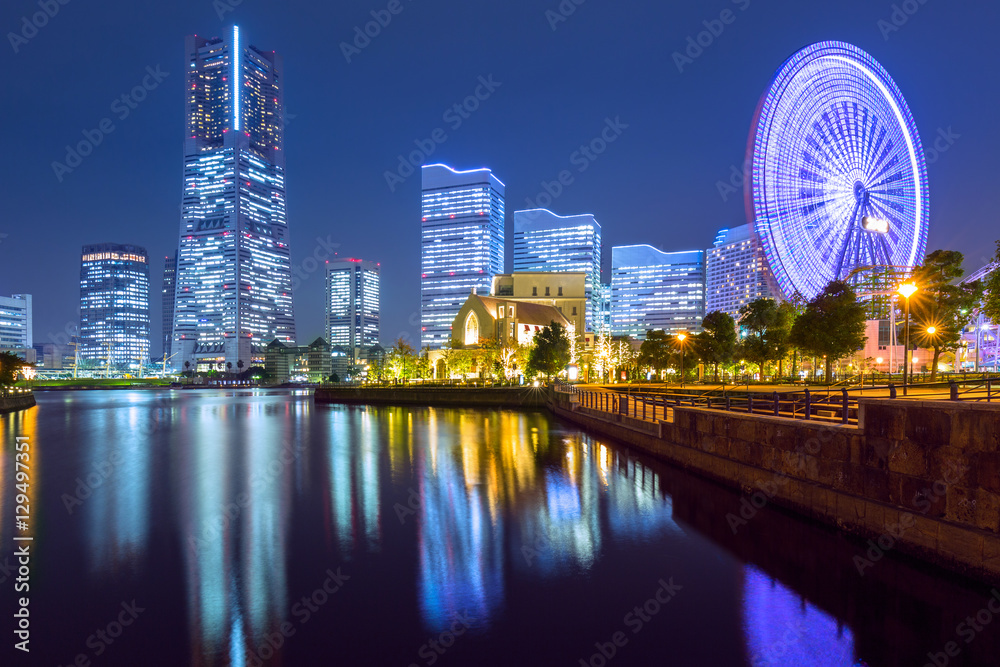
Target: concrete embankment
x=15, y=402
x=503, y=397
x=919, y=477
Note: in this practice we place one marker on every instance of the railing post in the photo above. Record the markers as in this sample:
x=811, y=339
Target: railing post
x=845, y=397
x=728, y=403
x=750, y=403
x=644, y=409
x=775, y=396
x=954, y=390
x=892, y=390
x=989, y=386
x=808, y=404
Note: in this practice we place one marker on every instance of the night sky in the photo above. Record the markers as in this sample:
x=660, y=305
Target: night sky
x=348, y=122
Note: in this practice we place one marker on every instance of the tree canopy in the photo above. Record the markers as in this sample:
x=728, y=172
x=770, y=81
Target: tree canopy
x=10, y=365
x=716, y=344
x=656, y=351
x=942, y=306
x=551, y=352
x=832, y=324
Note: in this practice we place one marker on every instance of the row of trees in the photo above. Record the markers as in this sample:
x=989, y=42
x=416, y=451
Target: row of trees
x=832, y=326
x=768, y=334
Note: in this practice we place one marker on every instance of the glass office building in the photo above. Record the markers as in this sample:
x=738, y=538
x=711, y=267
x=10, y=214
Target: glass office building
x=736, y=272
x=168, y=293
x=461, y=241
x=544, y=241
x=15, y=322
x=652, y=289
x=233, y=283
x=114, y=305
x=352, y=303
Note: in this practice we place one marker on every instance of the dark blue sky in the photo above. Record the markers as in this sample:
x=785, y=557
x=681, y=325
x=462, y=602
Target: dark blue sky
x=657, y=183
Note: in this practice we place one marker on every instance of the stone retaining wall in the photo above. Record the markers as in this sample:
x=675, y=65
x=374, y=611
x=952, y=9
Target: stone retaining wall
x=921, y=477
x=13, y=403
x=504, y=397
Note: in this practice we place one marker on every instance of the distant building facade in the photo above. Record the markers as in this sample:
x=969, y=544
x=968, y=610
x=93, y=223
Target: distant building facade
x=546, y=242
x=736, y=272
x=461, y=241
x=652, y=289
x=566, y=292
x=16, y=322
x=167, y=294
x=114, y=304
x=286, y=363
x=352, y=303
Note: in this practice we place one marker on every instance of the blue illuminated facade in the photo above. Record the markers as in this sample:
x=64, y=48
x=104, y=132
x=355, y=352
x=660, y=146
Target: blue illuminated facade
x=352, y=303
x=736, y=272
x=114, y=305
x=234, y=286
x=461, y=241
x=652, y=289
x=544, y=241
x=834, y=142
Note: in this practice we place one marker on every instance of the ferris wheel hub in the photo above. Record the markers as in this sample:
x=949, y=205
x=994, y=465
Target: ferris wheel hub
x=859, y=190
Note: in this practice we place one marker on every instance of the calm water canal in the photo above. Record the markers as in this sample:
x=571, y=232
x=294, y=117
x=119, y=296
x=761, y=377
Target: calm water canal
x=254, y=528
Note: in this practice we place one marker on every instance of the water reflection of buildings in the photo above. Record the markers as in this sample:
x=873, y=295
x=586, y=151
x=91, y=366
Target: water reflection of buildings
x=354, y=450
x=241, y=462
x=22, y=423
x=473, y=472
x=116, y=467
x=781, y=628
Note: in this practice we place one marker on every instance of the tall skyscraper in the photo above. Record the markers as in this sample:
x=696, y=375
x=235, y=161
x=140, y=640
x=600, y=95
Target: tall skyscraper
x=167, y=295
x=544, y=241
x=15, y=322
x=736, y=272
x=234, y=281
x=651, y=289
x=461, y=241
x=114, y=304
x=352, y=303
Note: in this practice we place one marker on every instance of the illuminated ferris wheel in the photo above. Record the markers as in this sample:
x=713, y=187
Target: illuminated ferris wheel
x=839, y=180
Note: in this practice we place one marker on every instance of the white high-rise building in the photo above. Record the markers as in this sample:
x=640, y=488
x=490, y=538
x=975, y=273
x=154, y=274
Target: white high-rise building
x=15, y=322
x=652, y=289
x=461, y=244
x=736, y=272
x=544, y=241
x=234, y=280
x=352, y=303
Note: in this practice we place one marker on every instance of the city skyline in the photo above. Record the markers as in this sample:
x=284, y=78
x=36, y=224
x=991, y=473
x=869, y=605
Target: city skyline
x=702, y=199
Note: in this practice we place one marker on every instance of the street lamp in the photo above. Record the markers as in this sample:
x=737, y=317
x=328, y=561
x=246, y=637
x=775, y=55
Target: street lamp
x=681, y=337
x=876, y=225
x=907, y=290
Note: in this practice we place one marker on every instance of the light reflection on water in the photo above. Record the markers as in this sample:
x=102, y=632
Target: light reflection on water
x=239, y=499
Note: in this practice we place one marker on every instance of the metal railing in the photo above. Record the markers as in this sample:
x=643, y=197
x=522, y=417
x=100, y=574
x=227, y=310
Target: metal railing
x=838, y=408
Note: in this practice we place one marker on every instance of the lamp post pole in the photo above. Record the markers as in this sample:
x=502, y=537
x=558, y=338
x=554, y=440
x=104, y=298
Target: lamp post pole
x=907, y=290
x=682, y=337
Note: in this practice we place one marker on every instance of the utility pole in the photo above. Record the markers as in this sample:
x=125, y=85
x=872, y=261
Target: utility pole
x=165, y=360
x=107, y=367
